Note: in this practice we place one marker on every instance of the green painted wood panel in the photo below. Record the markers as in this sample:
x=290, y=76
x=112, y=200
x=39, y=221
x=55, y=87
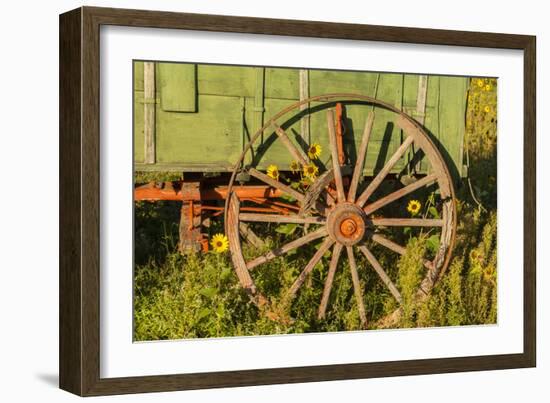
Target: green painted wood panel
x=139, y=138
x=452, y=111
x=213, y=137
x=226, y=80
x=282, y=83
x=178, y=86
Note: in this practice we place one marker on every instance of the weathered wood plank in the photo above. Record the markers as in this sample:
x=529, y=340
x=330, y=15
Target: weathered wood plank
x=149, y=112
x=421, y=99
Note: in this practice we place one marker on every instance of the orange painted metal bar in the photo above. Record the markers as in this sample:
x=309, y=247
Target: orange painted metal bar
x=249, y=209
x=150, y=192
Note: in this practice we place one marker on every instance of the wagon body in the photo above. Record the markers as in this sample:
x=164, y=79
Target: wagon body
x=202, y=116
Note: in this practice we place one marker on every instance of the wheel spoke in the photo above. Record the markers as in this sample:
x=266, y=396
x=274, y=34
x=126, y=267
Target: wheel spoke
x=336, y=251
x=334, y=156
x=272, y=254
x=357, y=287
x=297, y=153
x=381, y=273
x=395, y=247
x=359, y=163
x=407, y=222
x=250, y=235
x=427, y=180
x=276, y=184
x=311, y=197
x=290, y=219
x=291, y=293
x=384, y=172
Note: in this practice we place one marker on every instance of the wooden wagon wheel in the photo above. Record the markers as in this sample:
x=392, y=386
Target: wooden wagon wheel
x=343, y=214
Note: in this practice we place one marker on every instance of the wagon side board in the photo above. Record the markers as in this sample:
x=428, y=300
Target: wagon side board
x=204, y=115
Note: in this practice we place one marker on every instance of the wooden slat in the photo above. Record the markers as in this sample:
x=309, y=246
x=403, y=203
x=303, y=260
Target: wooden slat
x=276, y=184
x=357, y=287
x=253, y=217
x=149, y=112
x=381, y=272
x=359, y=163
x=384, y=172
x=421, y=99
x=272, y=254
x=336, y=251
x=407, y=222
x=296, y=153
x=334, y=156
x=291, y=293
x=370, y=208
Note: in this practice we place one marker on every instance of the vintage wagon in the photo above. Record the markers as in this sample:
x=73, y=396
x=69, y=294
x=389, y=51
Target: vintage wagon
x=332, y=157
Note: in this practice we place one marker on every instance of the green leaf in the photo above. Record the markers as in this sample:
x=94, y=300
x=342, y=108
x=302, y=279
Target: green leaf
x=204, y=312
x=295, y=185
x=432, y=243
x=209, y=292
x=406, y=230
x=433, y=211
x=292, y=252
x=287, y=229
x=287, y=198
x=226, y=272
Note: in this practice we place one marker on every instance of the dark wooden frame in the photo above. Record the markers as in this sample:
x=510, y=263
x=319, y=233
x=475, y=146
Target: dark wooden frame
x=79, y=200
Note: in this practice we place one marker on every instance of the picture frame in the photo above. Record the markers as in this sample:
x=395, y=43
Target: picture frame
x=80, y=154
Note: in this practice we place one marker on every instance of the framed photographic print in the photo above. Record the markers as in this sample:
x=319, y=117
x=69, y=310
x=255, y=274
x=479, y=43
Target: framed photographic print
x=250, y=201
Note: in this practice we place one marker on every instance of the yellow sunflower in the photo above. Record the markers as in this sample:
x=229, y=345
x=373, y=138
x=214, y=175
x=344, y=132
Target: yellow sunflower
x=314, y=151
x=310, y=171
x=295, y=167
x=414, y=207
x=480, y=83
x=273, y=172
x=487, y=109
x=219, y=243
x=488, y=87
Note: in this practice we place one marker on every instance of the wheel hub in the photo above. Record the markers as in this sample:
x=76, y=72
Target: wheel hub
x=347, y=224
